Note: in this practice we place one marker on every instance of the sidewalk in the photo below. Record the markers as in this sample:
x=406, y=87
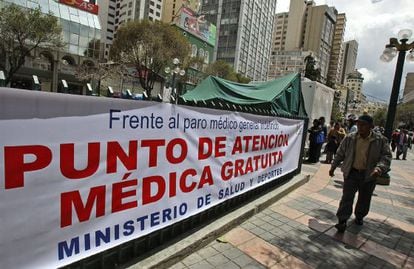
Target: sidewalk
x=297, y=231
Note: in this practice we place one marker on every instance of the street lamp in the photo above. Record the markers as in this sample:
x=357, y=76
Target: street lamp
x=176, y=70
x=391, y=50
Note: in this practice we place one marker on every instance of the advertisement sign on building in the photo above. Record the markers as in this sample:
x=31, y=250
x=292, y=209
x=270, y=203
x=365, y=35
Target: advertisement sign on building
x=197, y=25
x=83, y=5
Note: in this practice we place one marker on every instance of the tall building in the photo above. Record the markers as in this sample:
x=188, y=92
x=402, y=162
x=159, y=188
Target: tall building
x=244, y=30
x=335, y=63
x=116, y=12
x=408, y=96
x=170, y=8
x=279, y=31
x=296, y=25
x=350, y=53
x=319, y=33
x=306, y=29
x=201, y=35
x=354, y=83
x=81, y=32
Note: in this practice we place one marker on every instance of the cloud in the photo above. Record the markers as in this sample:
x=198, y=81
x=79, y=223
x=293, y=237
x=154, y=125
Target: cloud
x=372, y=23
x=369, y=76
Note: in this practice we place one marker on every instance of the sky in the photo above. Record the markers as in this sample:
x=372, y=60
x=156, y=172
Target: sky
x=372, y=23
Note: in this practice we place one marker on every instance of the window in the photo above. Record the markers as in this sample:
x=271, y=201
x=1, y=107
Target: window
x=206, y=57
x=193, y=50
x=201, y=53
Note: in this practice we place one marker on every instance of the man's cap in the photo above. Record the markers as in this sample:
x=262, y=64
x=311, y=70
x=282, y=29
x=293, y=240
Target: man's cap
x=366, y=118
x=352, y=117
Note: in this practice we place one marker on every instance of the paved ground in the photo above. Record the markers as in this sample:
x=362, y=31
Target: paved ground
x=297, y=231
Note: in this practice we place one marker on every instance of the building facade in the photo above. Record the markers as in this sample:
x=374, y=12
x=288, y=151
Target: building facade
x=201, y=36
x=319, y=33
x=335, y=62
x=171, y=8
x=354, y=83
x=350, y=53
x=308, y=29
x=81, y=32
x=244, y=30
x=408, y=96
x=114, y=13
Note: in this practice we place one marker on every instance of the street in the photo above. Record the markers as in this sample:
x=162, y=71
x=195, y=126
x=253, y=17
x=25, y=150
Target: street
x=297, y=231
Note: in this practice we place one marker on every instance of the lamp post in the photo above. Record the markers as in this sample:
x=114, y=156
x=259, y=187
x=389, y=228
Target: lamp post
x=391, y=50
x=176, y=70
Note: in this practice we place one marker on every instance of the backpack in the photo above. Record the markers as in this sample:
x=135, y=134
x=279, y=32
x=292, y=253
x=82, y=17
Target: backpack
x=320, y=137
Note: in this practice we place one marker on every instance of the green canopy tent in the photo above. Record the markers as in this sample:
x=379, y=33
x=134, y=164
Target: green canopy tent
x=279, y=97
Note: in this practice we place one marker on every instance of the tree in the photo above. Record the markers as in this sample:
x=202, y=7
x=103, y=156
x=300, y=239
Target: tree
x=405, y=115
x=22, y=31
x=224, y=70
x=220, y=69
x=379, y=117
x=336, y=114
x=149, y=47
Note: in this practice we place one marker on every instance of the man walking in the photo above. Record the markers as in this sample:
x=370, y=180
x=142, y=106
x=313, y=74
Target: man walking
x=364, y=156
x=402, y=144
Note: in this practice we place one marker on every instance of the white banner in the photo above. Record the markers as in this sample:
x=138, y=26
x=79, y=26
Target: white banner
x=71, y=187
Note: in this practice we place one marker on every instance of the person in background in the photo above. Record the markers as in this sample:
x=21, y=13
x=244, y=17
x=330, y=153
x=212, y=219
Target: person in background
x=325, y=129
x=410, y=140
x=364, y=156
x=316, y=139
x=394, y=139
x=335, y=136
x=352, y=127
x=402, y=144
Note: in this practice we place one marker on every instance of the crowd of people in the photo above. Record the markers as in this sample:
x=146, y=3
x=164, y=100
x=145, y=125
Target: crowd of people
x=363, y=153
x=330, y=137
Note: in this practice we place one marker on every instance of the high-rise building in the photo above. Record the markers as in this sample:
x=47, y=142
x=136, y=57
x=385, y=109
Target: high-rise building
x=279, y=31
x=305, y=30
x=81, y=32
x=350, y=52
x=408, y=96
x=354, y=83
x=335, y=63
x=355, y=97
x=319, y=33
x=116, y=12
x=244, y=30
x=296, y=19
x=170, y=8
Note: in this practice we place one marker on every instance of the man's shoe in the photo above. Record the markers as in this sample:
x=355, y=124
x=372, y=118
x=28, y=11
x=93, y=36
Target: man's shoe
x=341, y=227
x=358, y=221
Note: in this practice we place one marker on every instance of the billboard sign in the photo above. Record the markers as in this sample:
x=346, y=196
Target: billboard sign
x=196, y=25
x=83, y=5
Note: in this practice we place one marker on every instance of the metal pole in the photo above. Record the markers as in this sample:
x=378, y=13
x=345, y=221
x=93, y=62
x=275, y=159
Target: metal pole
x=392, y=107
x=173, y=88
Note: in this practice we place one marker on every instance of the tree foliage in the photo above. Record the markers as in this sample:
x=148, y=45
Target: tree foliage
x=150, y=47
x=224, y=70
x=336, y=114
x=380, y=117
x=405, y=116
x=22, y=31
